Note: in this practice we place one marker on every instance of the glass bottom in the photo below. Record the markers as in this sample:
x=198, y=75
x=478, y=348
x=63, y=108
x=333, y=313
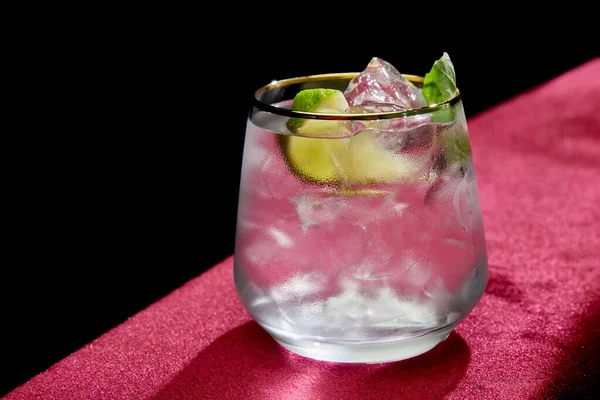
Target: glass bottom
x=367, y=353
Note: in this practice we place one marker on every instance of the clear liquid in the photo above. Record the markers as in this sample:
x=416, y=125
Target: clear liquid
x=358, y=265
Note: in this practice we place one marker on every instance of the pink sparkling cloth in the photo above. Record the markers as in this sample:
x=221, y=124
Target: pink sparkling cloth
x=534, y=335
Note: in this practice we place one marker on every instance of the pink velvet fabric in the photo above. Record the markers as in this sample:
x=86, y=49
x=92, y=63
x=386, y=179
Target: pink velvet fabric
x=534, y=335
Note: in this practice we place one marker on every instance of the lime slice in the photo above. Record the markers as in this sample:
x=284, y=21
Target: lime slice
x=325, y=154
x=329, y=101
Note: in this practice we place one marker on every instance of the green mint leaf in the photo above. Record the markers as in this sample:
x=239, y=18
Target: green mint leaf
x=439, y=86
x=440, y=83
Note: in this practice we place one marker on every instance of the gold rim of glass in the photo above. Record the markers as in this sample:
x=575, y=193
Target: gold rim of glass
x=313, y=79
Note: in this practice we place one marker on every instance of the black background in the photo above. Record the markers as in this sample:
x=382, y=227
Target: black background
x=131, y=188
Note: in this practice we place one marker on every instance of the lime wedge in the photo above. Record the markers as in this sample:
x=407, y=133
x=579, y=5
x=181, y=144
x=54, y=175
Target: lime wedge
x=326, y=154
x=328, y=101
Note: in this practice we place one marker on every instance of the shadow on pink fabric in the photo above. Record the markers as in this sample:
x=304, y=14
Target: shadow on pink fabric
x=534, y=334
x=264, y=370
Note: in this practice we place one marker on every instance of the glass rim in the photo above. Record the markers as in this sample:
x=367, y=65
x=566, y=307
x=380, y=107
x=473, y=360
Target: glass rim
x=277, y=84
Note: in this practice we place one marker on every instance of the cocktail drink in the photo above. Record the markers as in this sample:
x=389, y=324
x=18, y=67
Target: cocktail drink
x=359, y=234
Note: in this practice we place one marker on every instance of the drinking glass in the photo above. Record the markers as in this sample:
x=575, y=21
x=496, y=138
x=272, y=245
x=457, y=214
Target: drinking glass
x=363, y=243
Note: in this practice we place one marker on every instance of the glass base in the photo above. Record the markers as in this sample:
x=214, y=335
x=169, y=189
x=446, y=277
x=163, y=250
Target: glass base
x=371, y=353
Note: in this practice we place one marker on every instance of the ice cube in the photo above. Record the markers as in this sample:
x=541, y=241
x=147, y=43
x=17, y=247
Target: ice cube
x=380, y=87
x=349, y=307
x=281, y=238
x=317, y=209
x=299, y=287
x=412, y=136
x=388, y=306
x=382, y=84
x=381, y=307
